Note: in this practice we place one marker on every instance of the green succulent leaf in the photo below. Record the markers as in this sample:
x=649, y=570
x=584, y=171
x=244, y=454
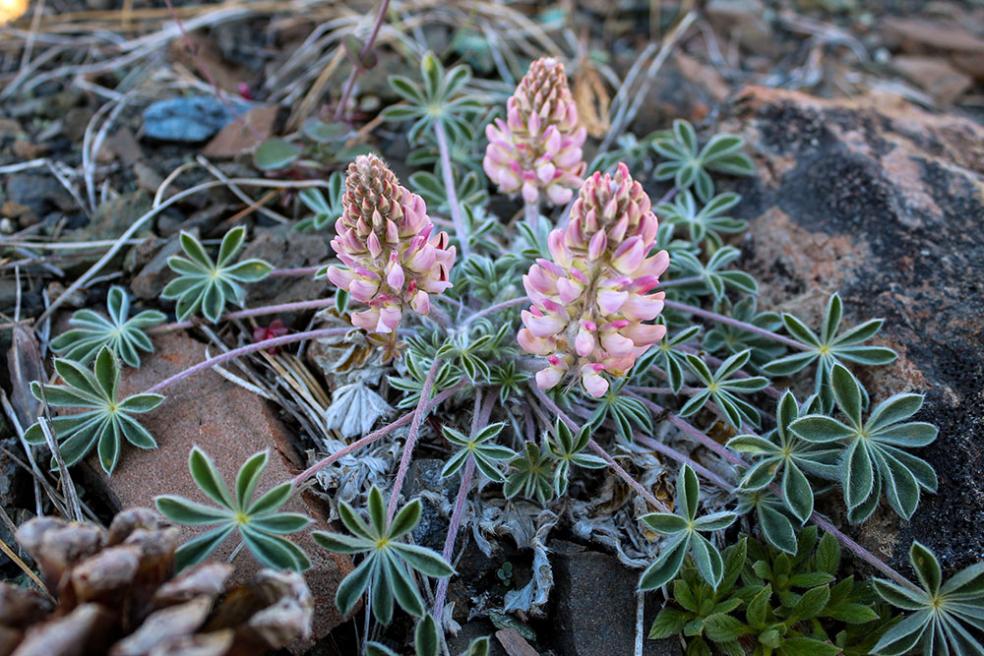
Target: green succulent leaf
x=207, y=286
x=124, y=335
x=105, y=420
x=260, y=523
x=388, y=562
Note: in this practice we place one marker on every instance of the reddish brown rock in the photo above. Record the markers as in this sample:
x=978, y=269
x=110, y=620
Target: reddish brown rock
x=230, y=424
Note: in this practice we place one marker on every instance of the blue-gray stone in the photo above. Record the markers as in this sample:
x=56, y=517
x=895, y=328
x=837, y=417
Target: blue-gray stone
x=190, y=119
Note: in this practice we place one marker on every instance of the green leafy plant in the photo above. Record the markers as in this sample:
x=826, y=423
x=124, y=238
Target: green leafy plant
x=439, y=98
x=943, y=615
x=260, y=523
x=207, y=285
x=105, y=420
x=770, y=602
x=830, y=347
x=671, y=356
x=388, y=562
x=688, y=164
x=324, y=210
x=721, y=387
x=717, y=277
x=481, y=448
x=531, y=474
x=784, y=454
x=683, y=532
x=628, y=414
x=773, y=518
x=872, y=459
x=568, y=450
x=729, y=339
x=124, y=335
x=707, y=222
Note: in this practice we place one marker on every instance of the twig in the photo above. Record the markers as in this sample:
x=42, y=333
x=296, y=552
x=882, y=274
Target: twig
x=357, y=65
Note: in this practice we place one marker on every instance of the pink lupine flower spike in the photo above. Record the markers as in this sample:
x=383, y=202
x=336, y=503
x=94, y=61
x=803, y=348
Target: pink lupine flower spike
x=392, y=259
x=536, y=151
x=592, y=301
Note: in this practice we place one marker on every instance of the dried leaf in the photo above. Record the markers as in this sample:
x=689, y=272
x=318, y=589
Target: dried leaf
x=354, y=410
x=592, y=100
x=25, y=365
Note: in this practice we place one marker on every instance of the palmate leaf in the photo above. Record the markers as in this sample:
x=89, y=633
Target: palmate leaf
x=945, y=617
x=104, y=422
x=531, y=474
x=726, y=339
x=388, y=562
x=722, y=387
x=830, y=347
x=481, y=448
x=207, y=285
x=259, y=522
x=688, y=165
x=707, y=222
x=782, y=455
x=718, y=279
x=683, y=530
x=124, y=335
x=670, y=356
x=568, y=449
x=440, y=97
x=873, y=459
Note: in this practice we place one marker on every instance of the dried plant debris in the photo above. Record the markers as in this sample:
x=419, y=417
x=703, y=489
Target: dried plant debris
x=117, y=594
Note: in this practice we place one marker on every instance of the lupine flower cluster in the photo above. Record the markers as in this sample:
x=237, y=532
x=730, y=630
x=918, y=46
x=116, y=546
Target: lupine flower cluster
x=537, y=149
x=590, y=303
x=387, y=243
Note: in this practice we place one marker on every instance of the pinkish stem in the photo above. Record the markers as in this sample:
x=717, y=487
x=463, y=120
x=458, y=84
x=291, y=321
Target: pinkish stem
x=418, y=416
x=498, y=307
x=374, y=436
x=460, y=229
x=282, y=308
x=342, y=106
x=741, y=325
x=295, y=272
x=480, y=419
x=245, y=350
x=594, y=446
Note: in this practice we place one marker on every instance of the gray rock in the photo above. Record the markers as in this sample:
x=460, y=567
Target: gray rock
x=595, y=611
x=424, y=479
x=883, y=202
x=40, y=193
x=284, y=247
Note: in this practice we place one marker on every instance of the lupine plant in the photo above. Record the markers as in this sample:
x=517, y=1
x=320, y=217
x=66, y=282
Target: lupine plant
x=592, y=363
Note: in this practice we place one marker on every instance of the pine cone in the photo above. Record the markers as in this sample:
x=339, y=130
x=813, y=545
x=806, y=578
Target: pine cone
x=537, y=149
x=385, y=240
x=117, y=595
x=590, y=303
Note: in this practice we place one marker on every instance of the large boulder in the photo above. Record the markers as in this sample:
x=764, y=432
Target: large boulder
x=884, y=203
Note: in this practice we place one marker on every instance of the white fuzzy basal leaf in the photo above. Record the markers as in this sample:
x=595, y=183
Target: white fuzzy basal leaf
x=354, y=410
